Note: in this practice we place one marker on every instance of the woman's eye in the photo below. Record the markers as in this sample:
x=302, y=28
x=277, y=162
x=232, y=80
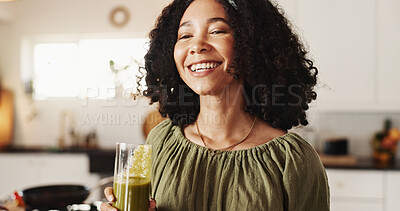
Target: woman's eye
x=184, y=37
x=218, y=32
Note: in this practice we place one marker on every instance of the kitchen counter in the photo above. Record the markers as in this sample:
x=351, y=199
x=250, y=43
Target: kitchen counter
x=34, y=149
x=102, y=160
x=368, y=164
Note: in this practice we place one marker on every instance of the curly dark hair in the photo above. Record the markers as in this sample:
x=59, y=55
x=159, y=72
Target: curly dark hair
x=278, y=77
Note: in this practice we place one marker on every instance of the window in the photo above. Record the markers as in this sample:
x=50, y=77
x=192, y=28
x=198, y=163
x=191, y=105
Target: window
x=87, y=68
x=55, y=66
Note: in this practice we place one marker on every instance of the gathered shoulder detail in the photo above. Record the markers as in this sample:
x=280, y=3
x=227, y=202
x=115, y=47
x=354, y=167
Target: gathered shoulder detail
x=280, y=150
x=159, y=132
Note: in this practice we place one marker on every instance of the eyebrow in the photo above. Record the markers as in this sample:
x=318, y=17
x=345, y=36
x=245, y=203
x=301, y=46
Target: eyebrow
x=211, y=20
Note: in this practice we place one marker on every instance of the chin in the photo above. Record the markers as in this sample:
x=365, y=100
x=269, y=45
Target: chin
x=209, y=91
x=202, y=91
x=210, y=87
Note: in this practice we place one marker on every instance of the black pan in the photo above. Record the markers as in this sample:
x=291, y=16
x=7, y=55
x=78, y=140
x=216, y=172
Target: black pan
x=55, y=196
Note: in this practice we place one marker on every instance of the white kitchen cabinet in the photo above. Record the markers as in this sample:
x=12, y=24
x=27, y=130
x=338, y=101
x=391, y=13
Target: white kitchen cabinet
x=65, y=168
x=24, y=170
x=356, y=190
x=18, y=171
x=364, y=190
x=388, y=57
x=356, y=183
x=355, y=206
x=392, y=191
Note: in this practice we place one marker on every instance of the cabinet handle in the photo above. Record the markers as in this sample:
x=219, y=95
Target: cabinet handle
x=340, y=185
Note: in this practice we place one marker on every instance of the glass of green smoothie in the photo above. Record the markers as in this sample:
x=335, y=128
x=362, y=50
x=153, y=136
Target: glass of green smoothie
x=132, y=177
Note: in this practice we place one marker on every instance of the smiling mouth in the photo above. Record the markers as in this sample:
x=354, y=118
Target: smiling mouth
x=201, y=67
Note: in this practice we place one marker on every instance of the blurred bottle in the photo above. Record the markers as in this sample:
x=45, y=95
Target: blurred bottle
x=384, y=143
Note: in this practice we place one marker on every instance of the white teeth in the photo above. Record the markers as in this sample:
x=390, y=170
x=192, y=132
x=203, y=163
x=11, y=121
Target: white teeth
x=203, y=66
x=200, y=70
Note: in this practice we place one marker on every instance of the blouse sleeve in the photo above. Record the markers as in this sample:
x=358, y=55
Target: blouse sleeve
x=159, y=132
x=157, y=136
x=304, y=179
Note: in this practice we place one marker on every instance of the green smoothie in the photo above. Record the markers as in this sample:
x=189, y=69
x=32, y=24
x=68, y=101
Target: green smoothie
x=132, y=195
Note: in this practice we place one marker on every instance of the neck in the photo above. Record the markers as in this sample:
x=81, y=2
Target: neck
x=222, y=119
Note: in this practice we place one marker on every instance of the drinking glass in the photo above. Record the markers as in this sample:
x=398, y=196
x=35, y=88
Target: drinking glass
x=132, y=175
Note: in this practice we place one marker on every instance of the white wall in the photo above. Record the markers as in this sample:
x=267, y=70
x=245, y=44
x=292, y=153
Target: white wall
x=6, y=11
x=27, y=18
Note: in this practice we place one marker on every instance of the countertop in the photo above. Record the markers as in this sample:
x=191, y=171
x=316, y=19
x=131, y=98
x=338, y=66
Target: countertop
x=367, y=163
x=43, y=149
x=102, y=160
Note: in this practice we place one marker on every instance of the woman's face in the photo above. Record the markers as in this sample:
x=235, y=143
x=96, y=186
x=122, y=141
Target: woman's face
x=204, y=48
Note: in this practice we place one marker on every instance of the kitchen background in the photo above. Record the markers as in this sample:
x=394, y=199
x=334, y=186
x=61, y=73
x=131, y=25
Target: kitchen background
x=353, y=43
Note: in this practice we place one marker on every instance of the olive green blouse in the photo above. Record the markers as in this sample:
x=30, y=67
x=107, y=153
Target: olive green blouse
x=282, y=174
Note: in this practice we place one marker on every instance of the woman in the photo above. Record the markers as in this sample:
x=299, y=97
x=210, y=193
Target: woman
x=232, y=78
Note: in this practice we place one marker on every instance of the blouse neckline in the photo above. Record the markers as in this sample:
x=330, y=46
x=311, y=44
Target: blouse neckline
x=179, y=136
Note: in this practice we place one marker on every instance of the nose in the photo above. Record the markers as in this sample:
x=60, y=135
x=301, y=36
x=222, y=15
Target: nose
x=200, y=45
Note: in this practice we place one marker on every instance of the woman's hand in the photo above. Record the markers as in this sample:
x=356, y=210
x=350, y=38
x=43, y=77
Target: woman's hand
x=108, y=192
